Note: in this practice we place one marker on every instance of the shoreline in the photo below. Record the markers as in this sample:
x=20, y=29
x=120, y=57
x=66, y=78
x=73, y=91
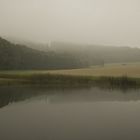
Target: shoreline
x=57, y=80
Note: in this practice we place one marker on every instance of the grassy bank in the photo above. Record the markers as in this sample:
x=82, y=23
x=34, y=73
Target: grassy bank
x=108, y=70
x=46, y=79
x=27, y=78
x=111, y=75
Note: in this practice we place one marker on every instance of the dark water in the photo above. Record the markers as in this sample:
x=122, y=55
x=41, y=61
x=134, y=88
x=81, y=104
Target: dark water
x=69, y=114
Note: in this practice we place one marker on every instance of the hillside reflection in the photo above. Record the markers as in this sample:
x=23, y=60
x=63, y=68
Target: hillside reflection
x=11, y=94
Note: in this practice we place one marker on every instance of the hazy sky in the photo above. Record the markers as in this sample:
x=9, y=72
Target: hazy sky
x=110, y=22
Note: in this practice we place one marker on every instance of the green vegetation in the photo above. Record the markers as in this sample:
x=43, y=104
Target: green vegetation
x=62, y=56
x=114, y=70
x=62, y=65
x=55, y=80
x=20, y=57
x=47, y=79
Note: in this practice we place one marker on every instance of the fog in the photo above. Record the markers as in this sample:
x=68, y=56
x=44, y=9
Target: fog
x=108, y=22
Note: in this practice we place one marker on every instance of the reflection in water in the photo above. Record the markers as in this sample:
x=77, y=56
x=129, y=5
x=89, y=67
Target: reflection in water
x=69, y=114
x=11, y=94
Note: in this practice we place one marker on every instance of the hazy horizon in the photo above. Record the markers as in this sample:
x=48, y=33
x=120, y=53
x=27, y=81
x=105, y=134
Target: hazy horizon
x=105, y=22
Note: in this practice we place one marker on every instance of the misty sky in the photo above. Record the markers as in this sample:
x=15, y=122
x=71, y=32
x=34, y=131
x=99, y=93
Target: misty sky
x=112, y=22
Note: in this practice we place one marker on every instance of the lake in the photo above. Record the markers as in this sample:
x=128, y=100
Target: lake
x=39, y=113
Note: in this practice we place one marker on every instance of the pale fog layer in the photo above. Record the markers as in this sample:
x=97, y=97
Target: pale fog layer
x=108, y=22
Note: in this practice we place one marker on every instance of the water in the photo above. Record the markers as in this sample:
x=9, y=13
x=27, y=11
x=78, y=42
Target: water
x=69, y=114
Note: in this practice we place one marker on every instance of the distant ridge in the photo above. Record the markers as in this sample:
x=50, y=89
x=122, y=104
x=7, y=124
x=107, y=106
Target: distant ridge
x=20, y=57
x=60, y=55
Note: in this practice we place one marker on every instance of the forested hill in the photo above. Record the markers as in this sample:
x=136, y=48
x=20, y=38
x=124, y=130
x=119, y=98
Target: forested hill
x=20, y=57
x=100, y=53
x=62, y=56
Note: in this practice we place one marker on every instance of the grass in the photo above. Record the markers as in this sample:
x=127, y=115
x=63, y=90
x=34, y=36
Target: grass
x=109, y=75
x=114, y=70
x=41, y=78
x=67, y=80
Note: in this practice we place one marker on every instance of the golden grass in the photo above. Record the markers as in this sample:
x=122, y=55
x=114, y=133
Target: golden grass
x=115, y=70
x=108, y=70
x=111, y=74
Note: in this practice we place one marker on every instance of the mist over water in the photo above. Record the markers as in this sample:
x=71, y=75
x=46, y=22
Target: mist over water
x=69, y=114
x=108, y=22
x=53, y=54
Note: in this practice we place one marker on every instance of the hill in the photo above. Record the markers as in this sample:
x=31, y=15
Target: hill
x=98, y=54
x=19, y=57
x=60, y=55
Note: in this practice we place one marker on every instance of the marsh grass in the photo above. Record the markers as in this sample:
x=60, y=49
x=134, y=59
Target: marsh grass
x=119, y=82
x=58, y=80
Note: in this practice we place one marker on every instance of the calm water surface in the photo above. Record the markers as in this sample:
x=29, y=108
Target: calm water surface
x=69, y=114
